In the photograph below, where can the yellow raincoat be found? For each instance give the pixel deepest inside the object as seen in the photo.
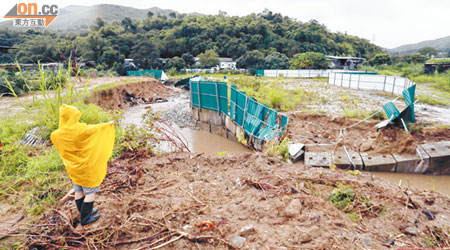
(84, 149)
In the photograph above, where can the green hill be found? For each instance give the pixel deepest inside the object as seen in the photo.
(441, 44)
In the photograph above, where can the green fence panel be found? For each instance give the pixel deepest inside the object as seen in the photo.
(223, 97)
(409, 95)
(194, 94)
(271, 127)
(148, 72)
(255, 116)
(259, 72)
(240, 107)
(233, 101)
(284, 122)
(391, 111)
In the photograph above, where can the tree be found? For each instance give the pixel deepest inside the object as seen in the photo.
(417, 58)
(98, 23)
(173, 15)
(428, 51)
(150, 14)
(175, 62)
(145, 54)
(380, 59)
(209, 59)
(188, 59)
(309, 60)
(276, 60)
(251, 60)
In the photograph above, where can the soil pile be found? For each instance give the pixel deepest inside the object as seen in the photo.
(322, 129)
(127, 95)
(186, 201)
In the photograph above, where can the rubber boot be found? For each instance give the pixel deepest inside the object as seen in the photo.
(86, 214)
(79, 203)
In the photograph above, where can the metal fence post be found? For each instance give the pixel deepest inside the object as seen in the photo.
(309, 73)
(359, 77)
(334, 82)
(350, 82)
(245, 112)
(342, 78)
(190, 94)
(199, 97)
(393, 85)
(384, 85)
(217, 98)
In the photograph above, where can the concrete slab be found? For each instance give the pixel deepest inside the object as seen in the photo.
(196, 114)
(380, 163)
(257, 144)
(218, 130)
(215, 118)
(341, 160)
(205, 126)
(230, 125)
(231, 136)
(204, 115)
(418, 163)
(439, 153)
(318, 159)
(296, 151)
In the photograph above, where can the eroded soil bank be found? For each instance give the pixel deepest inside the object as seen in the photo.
(156, 201)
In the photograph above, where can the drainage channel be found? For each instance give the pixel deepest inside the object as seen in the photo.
(177, 112)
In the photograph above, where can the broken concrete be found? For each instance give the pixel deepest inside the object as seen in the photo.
(296, 151)
(417, 163)
(383, 163)
(318, 159)
(341, 160)
(439, 153)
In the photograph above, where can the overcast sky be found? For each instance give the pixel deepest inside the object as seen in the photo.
(388, 23)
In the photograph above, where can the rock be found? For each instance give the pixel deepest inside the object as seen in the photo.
(366, 146)
(238, 181)
(390, 242)
(429, 214)
(293, 208)
(238, 241)
(247, 230)
(308, 234)
(411, 230)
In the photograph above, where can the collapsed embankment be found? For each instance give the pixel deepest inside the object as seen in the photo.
(253, 201)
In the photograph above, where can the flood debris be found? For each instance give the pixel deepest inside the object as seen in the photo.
(155, 201)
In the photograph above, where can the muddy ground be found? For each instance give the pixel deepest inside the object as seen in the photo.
(132, 94)
(316, 129)
(266, 203)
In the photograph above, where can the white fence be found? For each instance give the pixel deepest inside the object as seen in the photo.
(302, 72)
(389, 84)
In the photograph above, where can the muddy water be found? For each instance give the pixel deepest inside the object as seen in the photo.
(439, 183)
(204, 142)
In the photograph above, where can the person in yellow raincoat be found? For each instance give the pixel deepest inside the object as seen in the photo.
(85, 150)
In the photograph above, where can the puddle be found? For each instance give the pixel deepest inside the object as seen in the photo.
(438, 183)
(203, 142)
(177, 112)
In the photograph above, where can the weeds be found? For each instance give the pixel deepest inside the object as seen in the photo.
(281, 149)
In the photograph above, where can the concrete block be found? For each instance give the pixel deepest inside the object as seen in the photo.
(196, 114)
(239, 130)
(418, 163)
(439, 153)
(318, 159)
(231, 136)
(257, 144)
(204, 116)
(230, 125)
(380, 163)
(215, 118)
(218, 130)
(341, 160)
(296, 151)
(205, 126)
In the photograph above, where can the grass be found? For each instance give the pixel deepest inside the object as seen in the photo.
(114, 84)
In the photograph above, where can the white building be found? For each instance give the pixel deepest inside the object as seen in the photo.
(225, 63)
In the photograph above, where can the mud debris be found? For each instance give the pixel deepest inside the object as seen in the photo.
(150, 201)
